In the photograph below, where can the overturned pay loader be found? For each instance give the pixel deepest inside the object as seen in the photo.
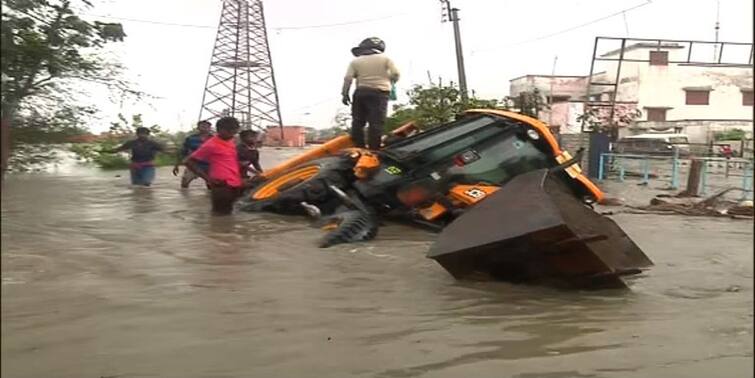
(508, 203)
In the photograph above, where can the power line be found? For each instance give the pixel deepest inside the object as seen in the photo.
(278, 28)
(336, 24)
(153, 22)
(623, 11)
(332, 98)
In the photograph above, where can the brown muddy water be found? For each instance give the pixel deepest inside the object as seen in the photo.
(103, 280)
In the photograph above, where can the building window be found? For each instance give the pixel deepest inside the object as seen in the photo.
(659, 58)
(656, 114)
(697, 97)
(747, 98)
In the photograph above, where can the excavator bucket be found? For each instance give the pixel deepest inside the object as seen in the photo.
(536, 229)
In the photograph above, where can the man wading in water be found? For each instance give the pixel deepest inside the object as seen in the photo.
(191, 144)
(374, 73)
(224, 174)
(249, 155)
(143, 152)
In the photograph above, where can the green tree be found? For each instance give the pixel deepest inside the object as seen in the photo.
(434, 105)
(401, 115)
(478, 103)
(46, 47)
(599, 119)
(310, 135)
(56, 128)
(732, 134)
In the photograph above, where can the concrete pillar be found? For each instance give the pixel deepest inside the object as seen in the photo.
(693, 180)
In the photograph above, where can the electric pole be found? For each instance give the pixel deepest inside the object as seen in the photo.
(718, 13)
(550, 98)
(240, 81)
(452, 14)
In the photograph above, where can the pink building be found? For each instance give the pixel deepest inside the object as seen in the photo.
(293, 136)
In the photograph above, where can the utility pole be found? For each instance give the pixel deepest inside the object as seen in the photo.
(550, 98)
(715, 47)
(452, 14)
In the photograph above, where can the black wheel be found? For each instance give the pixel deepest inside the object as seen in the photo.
(283, 193)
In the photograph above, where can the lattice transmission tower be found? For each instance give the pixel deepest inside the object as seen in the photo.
(240, 81)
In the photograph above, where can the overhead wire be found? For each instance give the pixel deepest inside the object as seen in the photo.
(331, 98)
(275, 28)
(153, 22)
(572, 28)
(335, 24)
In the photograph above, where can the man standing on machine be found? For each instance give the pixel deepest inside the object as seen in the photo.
(375, 74)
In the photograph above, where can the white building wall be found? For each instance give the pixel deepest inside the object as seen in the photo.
(663, 86)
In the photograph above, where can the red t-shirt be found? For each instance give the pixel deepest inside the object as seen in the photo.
(223, 160)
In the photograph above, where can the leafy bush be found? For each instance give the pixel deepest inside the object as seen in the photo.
(90, 153)
(732, 134)
(121, 131)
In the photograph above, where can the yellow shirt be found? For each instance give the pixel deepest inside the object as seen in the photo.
(375, 71)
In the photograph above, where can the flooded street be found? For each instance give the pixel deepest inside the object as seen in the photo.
(103, 280)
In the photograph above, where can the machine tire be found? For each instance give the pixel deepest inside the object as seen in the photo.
(307, 182)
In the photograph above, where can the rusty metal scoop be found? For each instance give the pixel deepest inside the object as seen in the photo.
(536, 229)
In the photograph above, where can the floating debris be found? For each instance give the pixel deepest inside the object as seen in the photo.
(713, 206)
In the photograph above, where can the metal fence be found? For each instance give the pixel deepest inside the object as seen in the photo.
(716, 174)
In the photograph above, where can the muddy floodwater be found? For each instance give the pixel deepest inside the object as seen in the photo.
(103, 280)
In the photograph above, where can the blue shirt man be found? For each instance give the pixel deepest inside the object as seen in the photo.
(191, 144)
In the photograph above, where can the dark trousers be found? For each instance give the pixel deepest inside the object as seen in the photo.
(368, 106)
(223, 198)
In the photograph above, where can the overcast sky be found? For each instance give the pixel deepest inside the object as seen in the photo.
(502, 39)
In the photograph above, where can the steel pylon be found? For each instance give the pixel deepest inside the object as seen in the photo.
(241, 81)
